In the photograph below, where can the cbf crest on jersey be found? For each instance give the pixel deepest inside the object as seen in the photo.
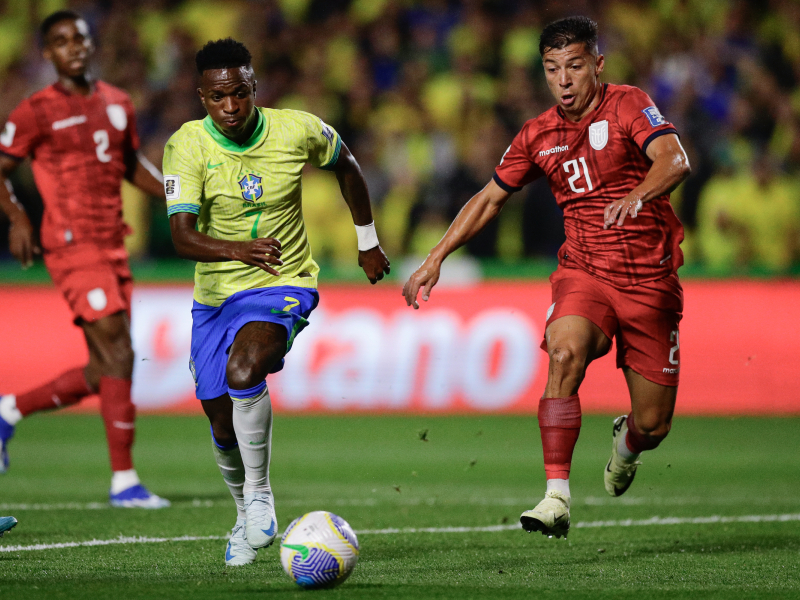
(598, 135)
(251, 186)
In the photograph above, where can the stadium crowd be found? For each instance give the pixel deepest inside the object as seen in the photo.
(428, 95)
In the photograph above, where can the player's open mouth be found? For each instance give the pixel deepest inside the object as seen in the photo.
(567, 100)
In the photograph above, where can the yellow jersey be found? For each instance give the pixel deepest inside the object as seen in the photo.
(243, 192)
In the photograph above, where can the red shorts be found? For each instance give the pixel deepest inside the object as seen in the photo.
(644, 318)
(96, 282)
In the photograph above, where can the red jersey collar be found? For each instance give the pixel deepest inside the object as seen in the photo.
(58, 86)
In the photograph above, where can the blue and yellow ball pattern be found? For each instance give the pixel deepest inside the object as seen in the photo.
(319, 550)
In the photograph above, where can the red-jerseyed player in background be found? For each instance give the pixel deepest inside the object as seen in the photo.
(81, 135)
(611, 160)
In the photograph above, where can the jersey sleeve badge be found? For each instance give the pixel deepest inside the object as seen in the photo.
(655, 118)
(7, 137)
(172, 187)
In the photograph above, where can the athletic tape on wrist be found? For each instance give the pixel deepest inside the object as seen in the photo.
(367, 237)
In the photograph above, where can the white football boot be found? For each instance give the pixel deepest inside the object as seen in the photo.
(239, 552)
(619, 474)
(262, 526)
(551, 515)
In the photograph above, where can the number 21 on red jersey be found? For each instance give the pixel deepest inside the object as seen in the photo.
(578, 175)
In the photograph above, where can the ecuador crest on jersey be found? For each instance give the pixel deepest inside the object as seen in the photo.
(251, 187)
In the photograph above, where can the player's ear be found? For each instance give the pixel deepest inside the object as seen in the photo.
(202, 97)
(254, 88)
(599, 62)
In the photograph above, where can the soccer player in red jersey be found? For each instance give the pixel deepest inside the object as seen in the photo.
(611, 161)
(81, 135)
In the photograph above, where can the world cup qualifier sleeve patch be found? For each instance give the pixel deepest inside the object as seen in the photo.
(655, 118)
(172, 187)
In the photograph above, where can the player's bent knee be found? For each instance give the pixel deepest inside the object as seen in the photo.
(565, 361)
(649, 435)
(244, 371)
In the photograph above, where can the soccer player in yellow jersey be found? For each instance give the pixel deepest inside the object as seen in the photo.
(234, 199)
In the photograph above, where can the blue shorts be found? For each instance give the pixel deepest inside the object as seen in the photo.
(215, 327)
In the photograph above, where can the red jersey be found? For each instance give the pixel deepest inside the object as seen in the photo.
(78, 146)
(590, 164)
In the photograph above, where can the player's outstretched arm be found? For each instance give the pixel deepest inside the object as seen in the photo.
(354, 190)
(193, 245)
(144, 175)
(21, 237)
(482, 208)
(670, 167)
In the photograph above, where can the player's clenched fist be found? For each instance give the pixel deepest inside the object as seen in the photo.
(261, 253)
(424, 277)
(374, 262)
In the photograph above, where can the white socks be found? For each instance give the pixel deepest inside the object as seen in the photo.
(252, 421)
(122, 480)
(9, 411)
(229, 461)
(624, 452)
(559, 485)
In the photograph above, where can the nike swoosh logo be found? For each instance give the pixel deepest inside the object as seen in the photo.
(275, 311)
(304, 552)
(259, 443)
(228, 554)
(271, 530)
(209, 166)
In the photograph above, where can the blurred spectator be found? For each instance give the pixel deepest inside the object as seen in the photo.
(429, 94)
(751, 217)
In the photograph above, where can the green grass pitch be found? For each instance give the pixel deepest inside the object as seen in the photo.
(378, 472)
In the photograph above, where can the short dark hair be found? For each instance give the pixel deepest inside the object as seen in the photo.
(57, 17)
(222, 54)
(571, 30)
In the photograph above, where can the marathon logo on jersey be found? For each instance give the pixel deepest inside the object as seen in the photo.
(655, 118)
(172, 187)
(552, 150)
(327, 132)
(251, 186)
(70, 122)
(598, 135)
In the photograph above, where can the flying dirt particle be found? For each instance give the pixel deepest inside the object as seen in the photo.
(601, 550)
(396, 488)
(423, 435)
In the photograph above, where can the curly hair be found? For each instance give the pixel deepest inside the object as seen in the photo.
(57, 17)
(571, 30)
(222, 54)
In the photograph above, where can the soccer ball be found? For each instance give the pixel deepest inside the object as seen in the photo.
(319, 550)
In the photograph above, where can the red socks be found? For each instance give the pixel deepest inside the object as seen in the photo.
(560, 424)
(118, 416)
(638, 442)
(66, 389)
